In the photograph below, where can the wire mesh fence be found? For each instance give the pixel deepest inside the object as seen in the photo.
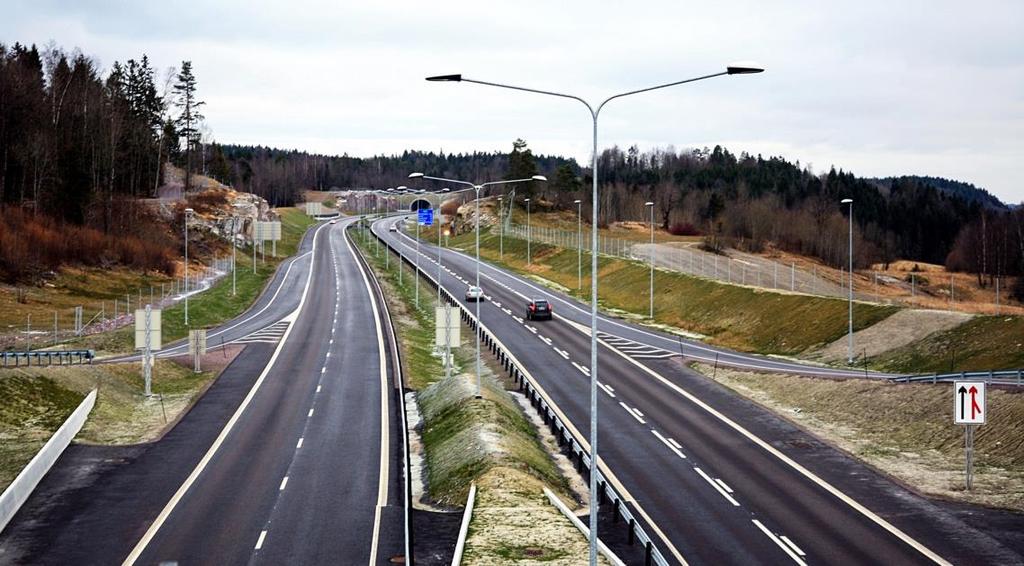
(740, 268)
(109, 314)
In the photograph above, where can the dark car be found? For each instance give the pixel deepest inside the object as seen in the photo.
(538, 309)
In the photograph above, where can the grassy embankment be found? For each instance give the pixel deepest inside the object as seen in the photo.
(35, 401)
(744, 318)
(488, 441)
(217, 304)
(916, 442)
(982, 342)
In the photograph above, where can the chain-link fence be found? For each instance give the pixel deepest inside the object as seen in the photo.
(110, 314)
(756, 271)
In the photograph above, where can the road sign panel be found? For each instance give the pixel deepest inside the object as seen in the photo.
(426, 216)
(154, 329)
(969, 402)
(447, 331)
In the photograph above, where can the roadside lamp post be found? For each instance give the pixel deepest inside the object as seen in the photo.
(849, 201)
(528, 262)
(401, 254)
(579, 245)
(650, 205)
(734, 69)
(501, 228)
(437, 219)
(188, 214)
(476, 188)
(387, 211)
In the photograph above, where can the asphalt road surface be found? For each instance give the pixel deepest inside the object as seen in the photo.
(294, 455)
(718, 479)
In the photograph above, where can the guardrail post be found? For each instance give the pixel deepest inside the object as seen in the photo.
(1018, 376)
(648, 553)
(632, 531)
(615, 511)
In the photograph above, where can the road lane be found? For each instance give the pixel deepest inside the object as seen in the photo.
(776, 500)
(327, 510)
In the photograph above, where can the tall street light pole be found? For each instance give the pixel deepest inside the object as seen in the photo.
(188, 214)
(528, 261)
(650, 205)
(734, 69)
(849, 360)
(477, 188)
(501, 229)
(579, 245)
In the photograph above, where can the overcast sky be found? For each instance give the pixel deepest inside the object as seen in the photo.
(877, 87)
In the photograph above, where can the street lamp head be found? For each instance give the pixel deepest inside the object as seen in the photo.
(189, 211)
(846, 201)
(415, 175)
(744, 68)
(577, 201)
(526, 200)
(445, 78)
(402, 188)
(445, 190)
(648, 203)
(539, 178)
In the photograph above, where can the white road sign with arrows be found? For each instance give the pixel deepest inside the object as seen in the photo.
(969, 402)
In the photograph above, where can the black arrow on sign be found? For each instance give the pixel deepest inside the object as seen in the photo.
(963, 402)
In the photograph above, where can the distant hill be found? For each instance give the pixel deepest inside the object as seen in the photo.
(965, 191)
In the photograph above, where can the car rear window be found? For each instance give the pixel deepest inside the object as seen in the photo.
(541, 303)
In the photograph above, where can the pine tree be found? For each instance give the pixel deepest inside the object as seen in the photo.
(188, 121)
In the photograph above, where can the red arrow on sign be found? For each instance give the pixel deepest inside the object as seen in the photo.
(975, 408)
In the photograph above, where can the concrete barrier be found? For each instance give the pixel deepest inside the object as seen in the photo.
(21, 488)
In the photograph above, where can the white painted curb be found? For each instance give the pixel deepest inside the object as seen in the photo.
(460, 546)
(583, 528)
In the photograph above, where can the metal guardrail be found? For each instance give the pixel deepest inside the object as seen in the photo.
(1002, 377)
(62, 357)
(546, 408)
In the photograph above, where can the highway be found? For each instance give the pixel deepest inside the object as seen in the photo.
(718, 479)
(295, 454)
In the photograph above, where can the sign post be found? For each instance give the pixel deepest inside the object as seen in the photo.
(446, 333)
(969, 409)
(147, 339)
(196, 346)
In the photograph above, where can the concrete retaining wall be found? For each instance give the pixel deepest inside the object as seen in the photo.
(19, 491)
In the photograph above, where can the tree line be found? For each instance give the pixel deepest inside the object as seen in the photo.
(75, 142)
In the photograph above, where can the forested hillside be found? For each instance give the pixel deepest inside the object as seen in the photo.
(79, 146)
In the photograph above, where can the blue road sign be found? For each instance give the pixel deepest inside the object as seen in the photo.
(426, 216)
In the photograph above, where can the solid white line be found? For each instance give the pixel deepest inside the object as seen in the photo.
(632, 414)
(778, 542)
(676, 444)
(792, 464)
(724, 485)
(194, 475)
(717, 487)
(259, 541)
(605, 470)
(284, 482)
(382, 485)
(792, 545)
(670, 447)
(299, 443)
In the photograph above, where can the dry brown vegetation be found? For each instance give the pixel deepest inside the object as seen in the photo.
(916, 442)
(32, 244)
